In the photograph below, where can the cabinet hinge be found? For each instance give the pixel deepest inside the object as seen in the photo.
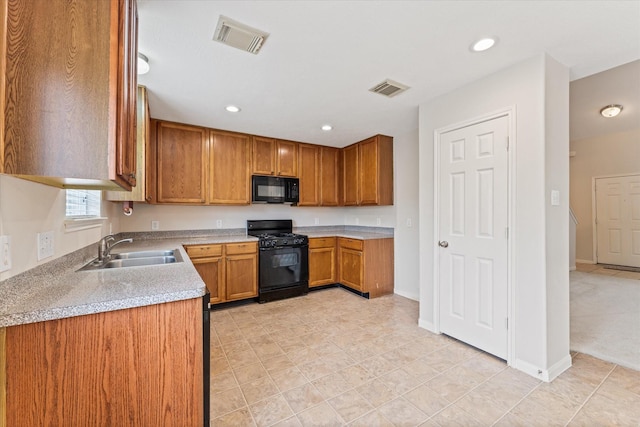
(507, 143)
(506, 232)
(506, 322)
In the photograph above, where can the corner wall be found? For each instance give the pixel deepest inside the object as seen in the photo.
(522, 87)
(28, 208)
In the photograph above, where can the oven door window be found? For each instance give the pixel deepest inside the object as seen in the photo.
(283, 267)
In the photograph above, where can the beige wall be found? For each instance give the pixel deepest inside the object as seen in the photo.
(612, 154)
(28, 208)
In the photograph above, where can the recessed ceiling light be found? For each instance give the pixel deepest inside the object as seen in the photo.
(143, 64)
(611, 110)
(232, 108)
(327, 128)
(483, 44)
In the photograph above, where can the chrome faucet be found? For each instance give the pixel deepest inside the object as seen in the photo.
(104, 248)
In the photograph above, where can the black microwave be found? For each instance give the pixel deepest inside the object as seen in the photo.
(273, 189)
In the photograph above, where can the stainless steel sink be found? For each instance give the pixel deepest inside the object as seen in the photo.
(135, 259)
(143, 254)
(135, 262)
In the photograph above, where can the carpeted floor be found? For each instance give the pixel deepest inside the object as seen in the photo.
(605, 317)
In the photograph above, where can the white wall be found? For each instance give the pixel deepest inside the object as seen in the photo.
(524, 88)
(612, 154)
(28, 208)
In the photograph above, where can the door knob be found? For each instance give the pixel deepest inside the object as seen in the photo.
(443, 243)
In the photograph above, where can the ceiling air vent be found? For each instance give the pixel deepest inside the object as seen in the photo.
(389, 88)
(238, 35)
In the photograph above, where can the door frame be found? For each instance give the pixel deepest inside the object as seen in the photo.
(594, 229)
(510, 113)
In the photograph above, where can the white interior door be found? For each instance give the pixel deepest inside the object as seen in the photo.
(473, 239)
(618, 220)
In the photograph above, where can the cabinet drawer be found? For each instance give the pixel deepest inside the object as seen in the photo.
(241, 248)
(322, 242)
(199, 251)
(351, 243)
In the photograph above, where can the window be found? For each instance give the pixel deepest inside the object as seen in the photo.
(83, 203)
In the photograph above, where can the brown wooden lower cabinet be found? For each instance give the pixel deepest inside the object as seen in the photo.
(230, 270)
(322, 261)
(366, 265)
(141, 366)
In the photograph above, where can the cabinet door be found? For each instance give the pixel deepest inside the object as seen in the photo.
(322, 266)
(264, 160)
(350, 175)
(182, 159)
(68, 91)
(241, 276)
(230, 168)
(287, 158)
(308, 160)
(126, 111)
(329, 170)
(211, 270)
(368, 162)
(139, 193)
(351, 268)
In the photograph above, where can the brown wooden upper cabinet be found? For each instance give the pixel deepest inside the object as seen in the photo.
(181, 157)
(309, 164)
(69, 75)
(368, 172)
(139, 192)
(329, 173)
(318, 169)
(230, 160)
(274, 157)
(196, 165)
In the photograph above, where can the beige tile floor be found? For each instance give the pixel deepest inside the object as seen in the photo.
(332, 358)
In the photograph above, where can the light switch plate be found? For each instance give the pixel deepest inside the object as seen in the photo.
(219, 223)
(45, 245)
(155, 225)
(555, 198)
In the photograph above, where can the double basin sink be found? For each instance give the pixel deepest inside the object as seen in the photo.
(135, 259)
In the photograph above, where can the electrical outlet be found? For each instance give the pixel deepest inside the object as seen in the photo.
(155, 225)
(45, 245)
(219, 223)
(5, 253)
(378, 221)
(409, 223)
(316, 221)
(357, 221)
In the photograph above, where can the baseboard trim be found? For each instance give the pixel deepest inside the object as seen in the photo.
(428, 326)
(585, 261)
(410, 295)
(546, 375)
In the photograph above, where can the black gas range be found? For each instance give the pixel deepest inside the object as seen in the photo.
(283, 260)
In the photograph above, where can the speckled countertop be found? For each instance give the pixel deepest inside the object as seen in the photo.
(57, 290)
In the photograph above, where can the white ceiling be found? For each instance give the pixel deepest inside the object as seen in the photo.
(322, 57)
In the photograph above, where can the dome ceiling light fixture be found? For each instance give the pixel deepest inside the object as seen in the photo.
(143, 64)
(611, 110)
(232, 109)
(483, 44)
(326, 128)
